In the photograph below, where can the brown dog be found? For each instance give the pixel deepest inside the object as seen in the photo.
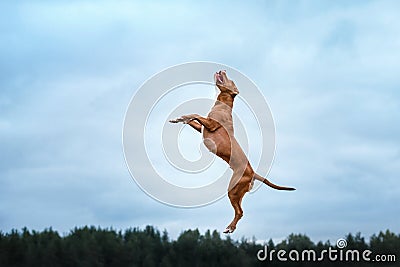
(218, 135)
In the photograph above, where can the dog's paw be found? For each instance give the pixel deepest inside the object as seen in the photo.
(228, 230)
(176, 120)
(184, 119)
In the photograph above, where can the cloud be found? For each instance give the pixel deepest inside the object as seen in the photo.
(328, 70)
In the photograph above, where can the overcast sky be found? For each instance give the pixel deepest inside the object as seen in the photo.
(328, 69)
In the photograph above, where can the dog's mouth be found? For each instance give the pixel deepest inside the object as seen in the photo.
(219, 78)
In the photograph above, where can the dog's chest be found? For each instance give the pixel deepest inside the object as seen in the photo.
(222, 116)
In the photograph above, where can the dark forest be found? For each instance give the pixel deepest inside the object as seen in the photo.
(94, 246)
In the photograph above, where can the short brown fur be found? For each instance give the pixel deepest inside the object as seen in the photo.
(218, 137)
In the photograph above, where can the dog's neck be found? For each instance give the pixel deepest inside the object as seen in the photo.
(225, 98)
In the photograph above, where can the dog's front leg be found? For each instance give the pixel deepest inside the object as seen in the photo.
(195, 125)
(208, 123)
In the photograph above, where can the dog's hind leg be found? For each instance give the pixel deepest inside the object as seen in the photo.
(236, 204)
(235, 195)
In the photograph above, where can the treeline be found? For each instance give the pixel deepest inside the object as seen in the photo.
(91, 246)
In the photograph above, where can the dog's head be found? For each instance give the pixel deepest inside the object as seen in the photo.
(225, 84)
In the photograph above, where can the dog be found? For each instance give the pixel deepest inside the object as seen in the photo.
(218, 137)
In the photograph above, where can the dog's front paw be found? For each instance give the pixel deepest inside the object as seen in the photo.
(181, 119)
(174, 121)
(184, 119)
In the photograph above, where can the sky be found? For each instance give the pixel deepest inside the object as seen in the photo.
(328, 69)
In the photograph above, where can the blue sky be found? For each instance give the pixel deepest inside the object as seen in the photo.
(329, 70)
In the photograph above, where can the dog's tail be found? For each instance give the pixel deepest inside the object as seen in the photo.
(265, 181)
